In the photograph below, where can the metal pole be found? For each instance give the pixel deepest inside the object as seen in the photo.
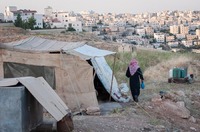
(112, 76)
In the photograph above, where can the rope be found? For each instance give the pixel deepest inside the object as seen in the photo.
(142, 108)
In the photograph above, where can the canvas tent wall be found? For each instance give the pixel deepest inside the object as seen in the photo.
(73, 76)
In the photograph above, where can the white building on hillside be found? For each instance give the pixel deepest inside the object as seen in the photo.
(8, 15)
(26, 14)
(48, 12)
(66, 20)
(141, 32)
(160, 37)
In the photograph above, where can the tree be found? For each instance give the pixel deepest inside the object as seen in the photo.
(100, 23)
(25, 24)
(31, 22)
(18, 22)
(71, 29)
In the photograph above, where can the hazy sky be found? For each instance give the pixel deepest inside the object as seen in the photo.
(102, 6)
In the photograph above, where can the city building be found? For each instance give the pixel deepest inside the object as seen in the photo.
(48, 12)
(191, 37)
(184, 29)
(160, 37)
(66, 20)
(170, 38)
(149, 31)
(8, 15)
(174, 29)
(141, 32)
(26, 14)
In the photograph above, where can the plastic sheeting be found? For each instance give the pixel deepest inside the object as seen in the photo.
(20, 70)
(104, 73)
(86, 52)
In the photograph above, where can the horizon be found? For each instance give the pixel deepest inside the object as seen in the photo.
(104, 6)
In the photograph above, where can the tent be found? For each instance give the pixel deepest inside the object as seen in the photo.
(63, 65)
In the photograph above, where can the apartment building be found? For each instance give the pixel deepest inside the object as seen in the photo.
(191, 37)
(8, 15)
(180, 36)
(184, 29)
(149, 31)
(26, 14)
(170, 38)
(141, 31)
(160, 37)
(66, 20)
(48, 12)
(174, 29)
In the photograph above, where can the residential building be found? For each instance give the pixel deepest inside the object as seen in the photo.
(187, 43)
(48, 12)
(198, 33)
(170, 38)
(184, 29)
(149, 31)
(180, 36)
(8, 15)
(26, 14)
(160, 37)
(191, 37)
(173, 44)
(77, 25)
(174, 29)
(141, 31)
(1, 17)
(65, 20)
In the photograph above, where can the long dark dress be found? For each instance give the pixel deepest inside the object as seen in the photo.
(135, 82)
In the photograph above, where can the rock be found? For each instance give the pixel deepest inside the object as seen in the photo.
(180, 93)
(193, 129)
(160, 128)
(93, 111)
(192, 119)
(178, 108)
(156, 99)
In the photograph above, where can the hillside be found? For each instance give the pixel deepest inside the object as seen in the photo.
(177, 111)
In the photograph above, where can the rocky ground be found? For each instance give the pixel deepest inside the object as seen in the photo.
(176, 111)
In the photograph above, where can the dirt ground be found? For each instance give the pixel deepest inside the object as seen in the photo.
(145, 116)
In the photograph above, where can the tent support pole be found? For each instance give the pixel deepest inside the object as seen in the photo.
(112, 76)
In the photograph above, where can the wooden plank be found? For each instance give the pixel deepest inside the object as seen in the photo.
(45, 96)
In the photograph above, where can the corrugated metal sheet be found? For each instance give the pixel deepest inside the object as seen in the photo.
(42, 91)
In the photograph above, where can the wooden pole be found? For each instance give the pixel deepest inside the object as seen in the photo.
(112, 76)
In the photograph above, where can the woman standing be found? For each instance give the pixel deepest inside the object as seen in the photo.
(134, 74)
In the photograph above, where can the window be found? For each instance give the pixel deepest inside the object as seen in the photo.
(65, 15)
(66, 20)
(25, 14)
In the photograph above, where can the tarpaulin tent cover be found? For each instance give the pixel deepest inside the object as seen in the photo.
(101, 67)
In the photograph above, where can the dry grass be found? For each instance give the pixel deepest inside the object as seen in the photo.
(161, 71)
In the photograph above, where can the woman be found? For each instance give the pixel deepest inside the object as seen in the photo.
(135, 74)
